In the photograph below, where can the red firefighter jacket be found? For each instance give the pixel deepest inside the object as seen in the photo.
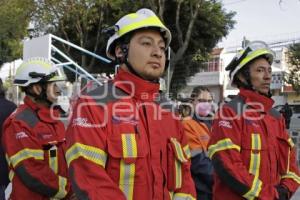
(34, 142)
(251, 150)
(125, 144)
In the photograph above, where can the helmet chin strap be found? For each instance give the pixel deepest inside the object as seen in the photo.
(42, 97)
(249, 86)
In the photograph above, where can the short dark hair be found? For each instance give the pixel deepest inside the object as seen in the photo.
(197, 90)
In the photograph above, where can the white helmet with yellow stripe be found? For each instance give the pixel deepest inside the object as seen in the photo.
(143, 18)
(36, 70)
(253, 50)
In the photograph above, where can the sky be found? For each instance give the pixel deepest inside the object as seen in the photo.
(263, 20)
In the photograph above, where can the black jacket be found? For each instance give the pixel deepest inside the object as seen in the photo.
(6, 108)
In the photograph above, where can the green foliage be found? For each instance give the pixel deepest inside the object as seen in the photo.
(196, 26)
(211, 24)
(293, 77)
(14, 19)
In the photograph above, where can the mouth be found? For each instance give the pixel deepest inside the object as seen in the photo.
(154, 64)
(266, 85)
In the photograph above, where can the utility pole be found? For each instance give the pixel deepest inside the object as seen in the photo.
(245, 42)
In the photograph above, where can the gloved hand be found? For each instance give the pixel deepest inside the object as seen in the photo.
(283, 192)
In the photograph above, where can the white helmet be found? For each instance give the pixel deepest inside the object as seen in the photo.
(143, 18)
(38, 69)
(253, 50)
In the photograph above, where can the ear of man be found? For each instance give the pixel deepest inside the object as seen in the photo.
(36, 89)
(241, 77)
(119, 53)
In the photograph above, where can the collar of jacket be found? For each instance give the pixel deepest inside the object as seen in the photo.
(255, 100)
(136, 87)
(44, 113)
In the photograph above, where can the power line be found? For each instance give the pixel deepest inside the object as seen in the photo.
(233, 2)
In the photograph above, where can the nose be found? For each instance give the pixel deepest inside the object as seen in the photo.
(268, 75)
(156, 51)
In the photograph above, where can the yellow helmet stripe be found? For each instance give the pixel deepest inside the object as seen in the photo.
(150, 21)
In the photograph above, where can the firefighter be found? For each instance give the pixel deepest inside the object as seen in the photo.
(6, 107)
(34, 138)
(123, 141)
(252, 154)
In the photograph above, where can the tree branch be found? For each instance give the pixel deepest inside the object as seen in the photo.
(62, 27)
(161, 9)
(98, 36)
(179, 31)
(153, 6)
(188, 34)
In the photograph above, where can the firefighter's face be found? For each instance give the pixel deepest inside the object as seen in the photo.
(260, 75)
(55, 89)
(147, 54)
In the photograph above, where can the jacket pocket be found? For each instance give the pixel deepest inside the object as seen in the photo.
(175, 161)
(127, 161)
(128, 147)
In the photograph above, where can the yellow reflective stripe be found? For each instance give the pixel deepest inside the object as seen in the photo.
(129, 146)
(255, 167)
(11, 175)
(288, 164)
(291, 142)
(26, 154)
(93, 154)
(127, 171)
(255, 189)
(62, 192)
(187, 151)
(255, 156)
(40, 63)
(178, 174)
(293, 176)
(255, 141)
(53, 160)
(178, 149)
(253, 55)
(7, 159)
(255, 164)
(150, 21)
(183, 196)
(171, 193)
(222, 145)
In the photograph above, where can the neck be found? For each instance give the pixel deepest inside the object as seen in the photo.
(39, 102)
(128, 67)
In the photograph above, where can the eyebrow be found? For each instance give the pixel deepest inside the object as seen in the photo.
(150, 38)
(264, 67)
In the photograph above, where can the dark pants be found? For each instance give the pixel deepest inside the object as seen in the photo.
(2, 192)
(202, 174)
